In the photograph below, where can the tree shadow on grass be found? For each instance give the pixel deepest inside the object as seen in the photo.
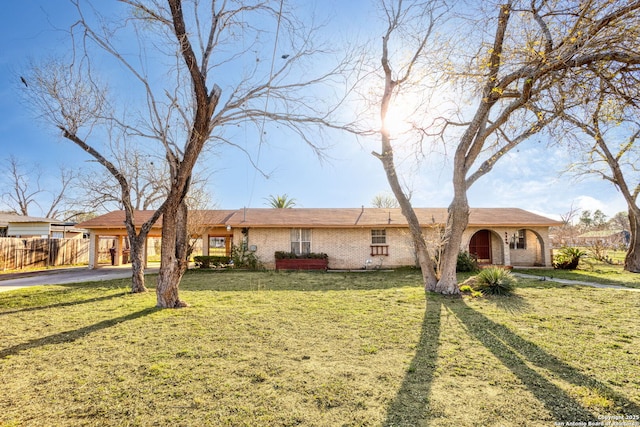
(512, 304)
(70, 336)
(517, 354)
(411, 404)
(60, 304)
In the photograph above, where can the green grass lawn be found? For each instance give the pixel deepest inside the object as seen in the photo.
(591, 270)
(316, 349)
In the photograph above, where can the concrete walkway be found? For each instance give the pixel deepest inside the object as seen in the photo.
(574, 282)
(9, 282)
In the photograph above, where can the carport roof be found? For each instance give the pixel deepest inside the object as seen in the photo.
(115, 219)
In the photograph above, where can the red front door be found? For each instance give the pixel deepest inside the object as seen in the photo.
(480, 246)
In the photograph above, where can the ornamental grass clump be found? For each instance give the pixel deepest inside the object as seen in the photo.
(495, 281)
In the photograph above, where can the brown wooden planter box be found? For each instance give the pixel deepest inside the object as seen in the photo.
(302, 264)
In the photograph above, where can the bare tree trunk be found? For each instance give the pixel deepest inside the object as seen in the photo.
(174, 256)
(137, 264)
(424, 259)
(632, 259)
(457, 221)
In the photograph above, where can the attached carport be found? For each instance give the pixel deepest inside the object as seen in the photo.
(111, 227)
(208, 225)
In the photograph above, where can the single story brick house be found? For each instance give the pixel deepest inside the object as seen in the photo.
(353, 238)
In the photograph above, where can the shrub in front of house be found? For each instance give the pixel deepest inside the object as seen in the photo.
(466, 262)
(244, 258)
(494, 281)
(568, 258)
(207, 261)
(293, 255)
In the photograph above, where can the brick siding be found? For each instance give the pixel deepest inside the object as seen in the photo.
(351, 248)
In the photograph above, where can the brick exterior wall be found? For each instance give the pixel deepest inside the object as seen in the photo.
(346, 248)
(351, 248)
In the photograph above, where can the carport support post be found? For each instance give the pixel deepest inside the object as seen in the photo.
(118, 260)
(205, 244)
(93, 250)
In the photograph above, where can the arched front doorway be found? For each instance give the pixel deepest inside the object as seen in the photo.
(480, 246)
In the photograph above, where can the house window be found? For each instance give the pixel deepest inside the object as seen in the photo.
(378, 237)
(519, 240)
(217, 246)
(379, 243)
(300, 241)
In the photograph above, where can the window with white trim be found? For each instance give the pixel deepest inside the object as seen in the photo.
(301, 241)
(379, 242)
(378, 237)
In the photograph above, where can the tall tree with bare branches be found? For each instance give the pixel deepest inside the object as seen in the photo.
(25, 189)
(509, 70)
(605, 128)
(202, 69)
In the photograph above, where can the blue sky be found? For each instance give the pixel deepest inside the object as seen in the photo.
(527, 178)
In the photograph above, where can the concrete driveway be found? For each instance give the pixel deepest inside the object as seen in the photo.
(60, 276)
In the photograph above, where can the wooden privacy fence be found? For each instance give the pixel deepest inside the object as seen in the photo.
(17, 254)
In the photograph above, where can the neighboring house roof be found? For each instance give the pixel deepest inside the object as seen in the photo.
(334, 218)
(5, 219)
(601, 234)
(67, 227)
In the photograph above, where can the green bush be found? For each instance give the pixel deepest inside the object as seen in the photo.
(206, 261)
(568, 258)
(466, 262)
(243, 258)
(293, 255)
(495, 281)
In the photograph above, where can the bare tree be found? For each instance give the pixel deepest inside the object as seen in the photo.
(198, 202)
(513, 75)
(71, 98)
(384, 200)
(565, 234)
(148, 178)
(25, 189)
(605, 128)
(620, 221)
(221, 68)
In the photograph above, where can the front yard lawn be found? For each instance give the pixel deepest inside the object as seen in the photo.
(591, 270)
(317, 349)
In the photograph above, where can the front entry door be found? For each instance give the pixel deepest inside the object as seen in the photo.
(480, 246)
